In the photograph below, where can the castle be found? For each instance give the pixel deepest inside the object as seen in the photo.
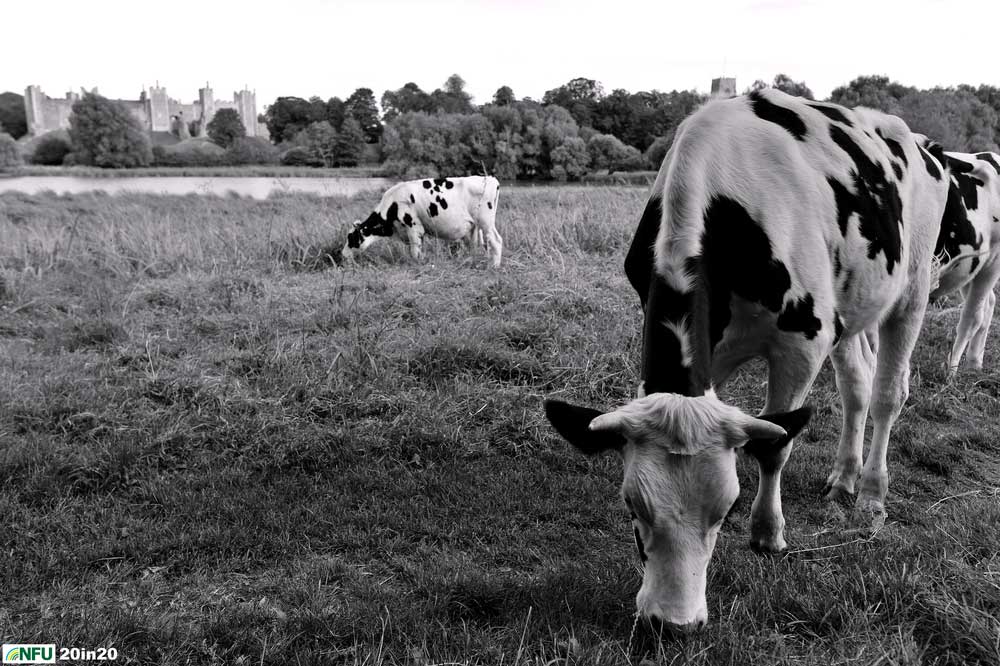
(155, 110)
(723, 87)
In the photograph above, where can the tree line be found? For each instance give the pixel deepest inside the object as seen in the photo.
(574, 129)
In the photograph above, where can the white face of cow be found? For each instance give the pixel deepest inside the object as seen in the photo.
(679, 484)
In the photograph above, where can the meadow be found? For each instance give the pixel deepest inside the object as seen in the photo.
(219, 447)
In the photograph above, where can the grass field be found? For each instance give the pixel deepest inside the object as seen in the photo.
(216, 448)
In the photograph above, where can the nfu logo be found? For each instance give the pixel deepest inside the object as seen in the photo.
(15, 653)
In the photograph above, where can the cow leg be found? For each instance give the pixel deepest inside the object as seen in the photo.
(415, 239)
(978, 310)
(977, 349)
(897, 338)
(486, 224)
(854, 364)
(791, 372)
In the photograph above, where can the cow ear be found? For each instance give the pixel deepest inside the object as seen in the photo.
(575, 425)
(791, 423)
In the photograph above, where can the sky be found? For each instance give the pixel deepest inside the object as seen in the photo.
(331, 47)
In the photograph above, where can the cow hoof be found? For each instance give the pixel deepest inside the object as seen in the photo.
(838, 495)
(768, 546)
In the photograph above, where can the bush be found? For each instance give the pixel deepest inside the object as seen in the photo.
(225, 127)
(300, 156)
(252, 150)
(190, 153)
(51, 150)
(657, 151)
(570, 160)
(10, 154)
(104, 133)
(607, 152)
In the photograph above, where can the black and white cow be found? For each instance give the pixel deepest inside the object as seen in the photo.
(781, 228)
(448, 208)
(968, 249)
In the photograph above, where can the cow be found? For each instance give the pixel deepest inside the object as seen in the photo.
(778, 228)
(449, 208)
(968, 249)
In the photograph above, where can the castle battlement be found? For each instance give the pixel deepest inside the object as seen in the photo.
(155, 109)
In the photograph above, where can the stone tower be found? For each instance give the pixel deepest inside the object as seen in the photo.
(724, 87)
(158, 109)
(246, 106)
(207, 100)
(34, 110)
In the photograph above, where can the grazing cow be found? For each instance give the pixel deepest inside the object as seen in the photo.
(782, 228)
(968, 249)
(448, 208)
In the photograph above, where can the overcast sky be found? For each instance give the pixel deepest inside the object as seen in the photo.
(331, 47)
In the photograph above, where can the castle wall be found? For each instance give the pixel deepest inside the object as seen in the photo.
(154, 110)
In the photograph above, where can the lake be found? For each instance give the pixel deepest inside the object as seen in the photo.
(255, 186)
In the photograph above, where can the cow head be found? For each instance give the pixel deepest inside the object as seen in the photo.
(679, 484)
(363, 233)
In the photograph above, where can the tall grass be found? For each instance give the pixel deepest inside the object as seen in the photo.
(209, 454)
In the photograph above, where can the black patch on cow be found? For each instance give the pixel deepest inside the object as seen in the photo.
(799, 316)
(442, 202)
(432, 210)
(967, 184)
(779, 115)
(875, 200)
(956, 229)
(638, 543)
(988, 158)
(392, 214)
(838, 328)
(894, 147)
(896, 169)
(489, 204)
(738, 260)
(845, 203)
(413, 199)
(929, 164)
(427, 184)
(837, 266)
(374, 225)
(407, 219)
(834, 113)
(639, 261)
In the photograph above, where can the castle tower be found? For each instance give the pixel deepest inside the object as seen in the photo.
(34, 110)
(158, 109)
(207, 99)
(246, 106)
(724, 87)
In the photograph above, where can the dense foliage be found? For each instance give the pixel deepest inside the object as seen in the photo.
(51, 150)
(10, 154)
(105, 134)
(225, 127)
(12, 117)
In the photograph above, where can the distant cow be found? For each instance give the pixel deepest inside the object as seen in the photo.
(968, 249)
(782, 228)
(448, 208)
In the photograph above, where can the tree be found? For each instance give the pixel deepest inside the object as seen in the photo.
(288, 116)
(453, 98)
(579, 96)
(321, 141)
(349, 144)
(570, 159)
(504, 96)
(104, 133)
(876, 92)
(225, 127)
(12, 117)
(784, 83)
(336, 111)
(51, 150)
(361, 105)
(408, 98)
(607, 152)
(10, 154)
